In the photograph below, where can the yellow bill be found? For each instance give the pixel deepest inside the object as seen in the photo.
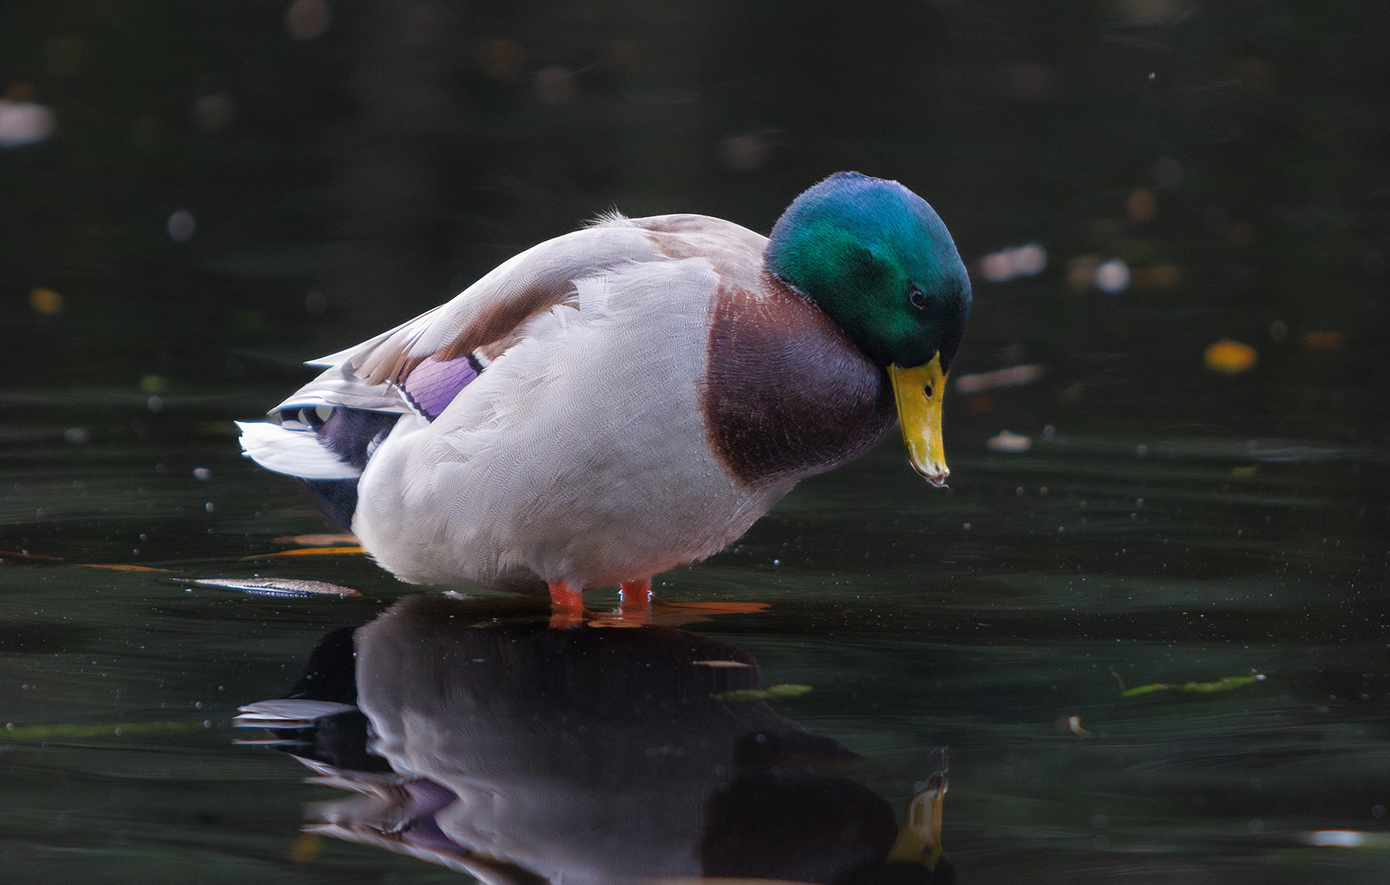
(919, 392)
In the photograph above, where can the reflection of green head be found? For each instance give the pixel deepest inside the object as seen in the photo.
(880, 262)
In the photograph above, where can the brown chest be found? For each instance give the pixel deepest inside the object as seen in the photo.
(787, 394)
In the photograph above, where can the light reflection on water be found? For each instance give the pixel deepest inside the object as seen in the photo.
(1007, 641)
(592, 754)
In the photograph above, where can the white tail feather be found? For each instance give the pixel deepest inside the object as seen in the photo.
(292, 452)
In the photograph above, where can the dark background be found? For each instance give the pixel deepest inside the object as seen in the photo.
(346, 182)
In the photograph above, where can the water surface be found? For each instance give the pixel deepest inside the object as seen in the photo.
(225, 193)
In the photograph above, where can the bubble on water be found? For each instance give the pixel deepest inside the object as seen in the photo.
(1167, 173)
(24, 122)
(747, 152)
(308, 19)
(1112, 276)
(1027, 260)
(214, 112)
(554, 85)
(315, 303)
(181, 226)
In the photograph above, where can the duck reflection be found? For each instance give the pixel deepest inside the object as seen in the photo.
(476, 737)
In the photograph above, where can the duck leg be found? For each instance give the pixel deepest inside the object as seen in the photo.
(567, 603)
(635, 597)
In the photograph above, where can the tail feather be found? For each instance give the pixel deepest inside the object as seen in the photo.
(293, 452)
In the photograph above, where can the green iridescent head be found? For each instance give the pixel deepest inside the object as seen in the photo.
(880, 262)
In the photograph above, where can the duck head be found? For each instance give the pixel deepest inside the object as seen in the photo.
(880, 262)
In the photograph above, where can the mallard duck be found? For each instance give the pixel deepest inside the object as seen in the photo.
(632, 396)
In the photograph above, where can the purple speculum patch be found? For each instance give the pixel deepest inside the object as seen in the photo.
(434, 383)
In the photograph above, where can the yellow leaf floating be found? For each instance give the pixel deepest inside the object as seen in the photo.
(1324, 341)
(1230, 357)
(14, 556)
(310, 551)
(46, 301)
(1226, 684)
(307, 847)
(762, 694)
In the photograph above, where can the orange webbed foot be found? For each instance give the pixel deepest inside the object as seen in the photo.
(637, 607)
(635, 597)
(567, 605)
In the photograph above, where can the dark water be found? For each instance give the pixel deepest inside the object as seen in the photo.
(1168, 524)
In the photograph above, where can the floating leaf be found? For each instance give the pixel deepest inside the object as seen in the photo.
(78, 732)
(1230, 357)
(310, 551)
(46, 301)
(1014, 376)
(762, 694)
(15, 556)
(1225, 684)
(1323, 341)
(123, 568)
(307, 847)
(271, 586)
(1008, 441)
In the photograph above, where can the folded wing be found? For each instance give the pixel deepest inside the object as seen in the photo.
(327, 430)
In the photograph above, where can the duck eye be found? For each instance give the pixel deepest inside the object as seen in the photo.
(928, 390)
(918, 299)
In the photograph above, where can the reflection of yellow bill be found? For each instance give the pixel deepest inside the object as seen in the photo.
(919, 838)
(919, 392)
